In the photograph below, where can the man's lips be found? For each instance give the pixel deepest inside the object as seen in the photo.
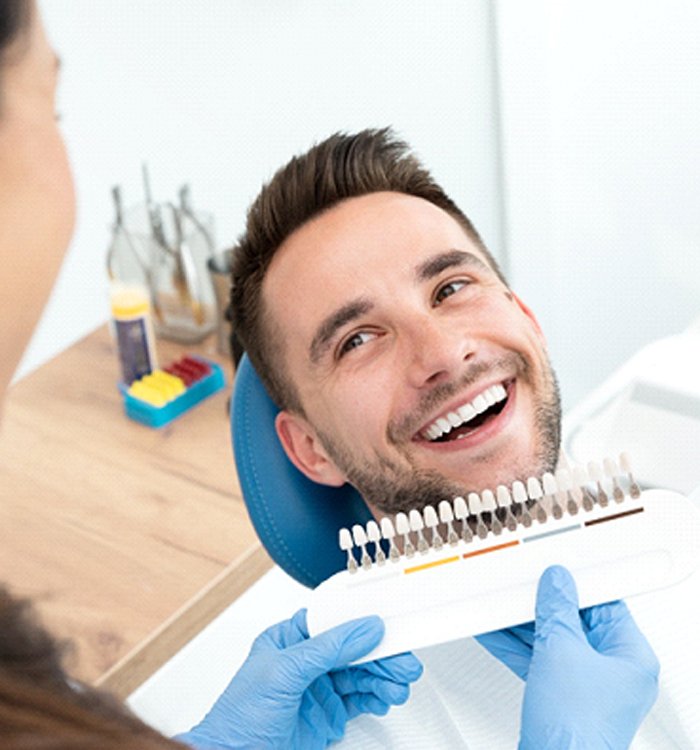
(486, 410)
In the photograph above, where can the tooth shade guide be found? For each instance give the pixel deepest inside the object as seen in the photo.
(554, 501)
(613, 553)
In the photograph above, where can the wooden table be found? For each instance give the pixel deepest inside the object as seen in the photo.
(128, 539)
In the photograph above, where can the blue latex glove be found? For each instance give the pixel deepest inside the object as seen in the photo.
(592, 677)
(298, 692)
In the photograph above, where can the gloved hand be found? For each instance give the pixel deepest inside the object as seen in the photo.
(286, 696)
(592, 677)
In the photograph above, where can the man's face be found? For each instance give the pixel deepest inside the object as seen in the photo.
(395, 332)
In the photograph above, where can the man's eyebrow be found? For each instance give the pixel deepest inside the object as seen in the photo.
(438, 263)
(330, 325)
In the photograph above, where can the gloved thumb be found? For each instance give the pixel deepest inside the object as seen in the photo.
(557, 610)
(336, 647)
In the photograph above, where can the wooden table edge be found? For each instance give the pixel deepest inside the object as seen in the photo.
(139, 664)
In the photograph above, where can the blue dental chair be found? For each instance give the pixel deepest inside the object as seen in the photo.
(296, 519)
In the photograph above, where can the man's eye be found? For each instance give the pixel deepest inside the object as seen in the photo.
(447, 290)
(352, 342)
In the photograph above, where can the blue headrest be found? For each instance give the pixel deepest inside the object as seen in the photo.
(296, 519)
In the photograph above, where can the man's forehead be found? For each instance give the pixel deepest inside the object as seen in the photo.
(340, 254)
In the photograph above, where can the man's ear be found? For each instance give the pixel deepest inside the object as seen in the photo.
(528, 312)
(305, 451)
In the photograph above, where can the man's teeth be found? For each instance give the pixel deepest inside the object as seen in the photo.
(465, 413)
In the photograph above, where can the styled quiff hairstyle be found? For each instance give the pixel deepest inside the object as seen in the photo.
(341, 167)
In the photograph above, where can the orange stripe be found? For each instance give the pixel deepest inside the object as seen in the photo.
(431, 564)
(491, 549)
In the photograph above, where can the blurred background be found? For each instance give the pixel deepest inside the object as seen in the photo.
(567, 130)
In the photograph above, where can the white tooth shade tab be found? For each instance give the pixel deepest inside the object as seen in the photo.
(445, 511)
(625, 463)
(373, 533)
(474, 503)
(610, 468)
(388, 531)
(345, 539)
(430, 516)
(402, 525)
(594, 471)
(359, 535)
(461, 510)
(549, 483)
(503, 497)
(519, 492)
(534, 489)
(580, 476)
(488, 500)
(415, 519)
(564, 480)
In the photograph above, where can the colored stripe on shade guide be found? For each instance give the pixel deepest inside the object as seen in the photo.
(416, 568)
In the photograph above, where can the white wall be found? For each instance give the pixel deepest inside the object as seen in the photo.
(220, 93)
(601, 134)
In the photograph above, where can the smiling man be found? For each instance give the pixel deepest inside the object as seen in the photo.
(387, 334)
(403, 364)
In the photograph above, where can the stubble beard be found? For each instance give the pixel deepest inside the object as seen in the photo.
(390, 486)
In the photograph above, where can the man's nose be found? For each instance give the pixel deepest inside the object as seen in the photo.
(435, 351)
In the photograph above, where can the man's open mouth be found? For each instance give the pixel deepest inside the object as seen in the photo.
(470, 416)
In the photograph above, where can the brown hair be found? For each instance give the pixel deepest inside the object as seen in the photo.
(14, 18)
(41, 710)
(341, 167)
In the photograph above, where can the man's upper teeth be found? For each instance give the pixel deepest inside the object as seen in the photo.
(465, 413)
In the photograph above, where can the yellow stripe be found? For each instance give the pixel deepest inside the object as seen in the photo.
(431, 564)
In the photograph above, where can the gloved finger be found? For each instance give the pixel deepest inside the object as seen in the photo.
(364, 703)
(512, 647)
(348, 681)
(612, 631)
(283, 634)
(556, 609)
(334, 648)
(400, 668)
(322, 706)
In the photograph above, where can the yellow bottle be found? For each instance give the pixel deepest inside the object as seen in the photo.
(131, 315)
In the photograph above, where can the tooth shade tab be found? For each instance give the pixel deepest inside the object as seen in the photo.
(474, 503)
(359, 535)
(594, 471)
(549, 483)
(488, 501)
(430, 516)
(610, 468)
(580, 476)
(503, 497)
(346, 544)
(415, 519)
(388, 531)
(461, 510)
(519, 492)
(345, 540)
(373, 533)
(445, 511)
(565, 480)
(402, 526)
(625, 463)
(534, 489)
